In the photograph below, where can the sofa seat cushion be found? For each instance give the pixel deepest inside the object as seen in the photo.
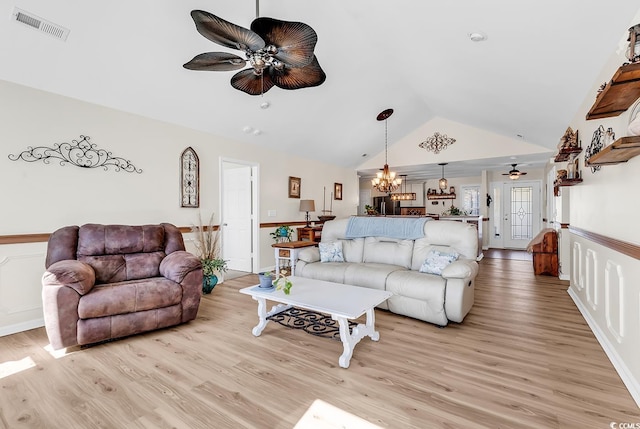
(370, 275)
(327, 271)
(129, 297)
(417, 285)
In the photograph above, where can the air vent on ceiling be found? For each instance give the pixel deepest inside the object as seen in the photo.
(35, 22)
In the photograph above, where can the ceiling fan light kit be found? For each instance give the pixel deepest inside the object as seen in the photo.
(279, 53)
(514, 174)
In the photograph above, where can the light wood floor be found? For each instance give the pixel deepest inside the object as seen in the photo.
(523, 358)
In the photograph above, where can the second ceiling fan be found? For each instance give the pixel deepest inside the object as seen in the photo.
(514, 173)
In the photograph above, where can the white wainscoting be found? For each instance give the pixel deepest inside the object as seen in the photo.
(605, 286)
(21, 269)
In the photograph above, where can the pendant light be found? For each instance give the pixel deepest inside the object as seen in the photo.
(386, 180)
(404, 195)
(442, 183)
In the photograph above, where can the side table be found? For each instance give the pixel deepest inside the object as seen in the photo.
(289, 250)
(311, 233)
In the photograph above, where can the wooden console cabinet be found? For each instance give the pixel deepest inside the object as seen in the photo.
(544, 247)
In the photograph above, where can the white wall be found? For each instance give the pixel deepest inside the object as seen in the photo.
(471, 143)
(39, 198)
(604, 283)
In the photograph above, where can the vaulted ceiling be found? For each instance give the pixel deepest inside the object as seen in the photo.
(536, 66)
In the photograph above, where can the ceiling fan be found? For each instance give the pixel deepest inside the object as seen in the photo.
(278, 52)
(514, 174)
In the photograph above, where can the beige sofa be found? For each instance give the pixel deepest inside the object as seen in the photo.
(394, 264)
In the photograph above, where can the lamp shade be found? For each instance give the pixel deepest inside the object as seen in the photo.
(307, 206)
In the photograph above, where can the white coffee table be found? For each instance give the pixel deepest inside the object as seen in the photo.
(341, 302)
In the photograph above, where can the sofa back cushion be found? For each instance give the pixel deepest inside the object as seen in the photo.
(121, 252)
(352, 248)
(461, 236)
(384, 250)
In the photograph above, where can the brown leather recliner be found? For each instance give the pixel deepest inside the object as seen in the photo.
(111, 281)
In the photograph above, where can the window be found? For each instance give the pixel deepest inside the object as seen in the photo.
(471, 199)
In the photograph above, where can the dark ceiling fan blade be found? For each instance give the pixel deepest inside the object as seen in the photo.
(295, 40)
(247, 81)
(226, 33)
(215, 61)
(296, 78)
(521, 173)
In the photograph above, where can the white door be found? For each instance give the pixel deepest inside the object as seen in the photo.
(238, 229)
(520, 213)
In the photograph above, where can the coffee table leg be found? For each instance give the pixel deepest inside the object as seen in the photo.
(263, 315)
(349, 341)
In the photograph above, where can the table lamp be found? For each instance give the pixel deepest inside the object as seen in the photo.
(307, 206)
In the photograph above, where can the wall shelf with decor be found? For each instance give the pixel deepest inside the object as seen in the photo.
(564, 182)
(618, 94)
(567, 182)
(567, 154)
(621, 150)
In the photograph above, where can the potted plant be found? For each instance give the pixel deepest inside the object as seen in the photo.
(207, 243)
(282, 282)
(266, 279)
(282, 233)
(370, 210)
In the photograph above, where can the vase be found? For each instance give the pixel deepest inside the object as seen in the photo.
(208, 283)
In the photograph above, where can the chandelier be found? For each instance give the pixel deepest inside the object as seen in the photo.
(386, 180)
(437, 142)
(404, 195)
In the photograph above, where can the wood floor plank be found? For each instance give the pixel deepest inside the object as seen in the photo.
(524, 357)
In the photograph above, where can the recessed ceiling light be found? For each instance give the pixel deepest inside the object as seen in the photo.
(257, 132)
(477, 36)
(265, 105)
(247, 129)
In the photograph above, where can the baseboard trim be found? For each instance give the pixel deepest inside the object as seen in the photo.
(632, 385)
(564, 277)
(20, 327)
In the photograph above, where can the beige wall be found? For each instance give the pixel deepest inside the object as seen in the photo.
(604, 283)
(39, 198)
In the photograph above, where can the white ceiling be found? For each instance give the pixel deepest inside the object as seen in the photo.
(529, 77)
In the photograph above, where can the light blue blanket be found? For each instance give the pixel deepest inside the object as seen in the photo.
(400, 228)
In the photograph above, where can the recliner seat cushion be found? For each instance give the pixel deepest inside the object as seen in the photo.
(370, 275)
(129, 297)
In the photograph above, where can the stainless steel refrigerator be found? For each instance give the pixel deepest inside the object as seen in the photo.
(386, 206)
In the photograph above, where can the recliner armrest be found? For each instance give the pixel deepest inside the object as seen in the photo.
(460, 269)
(175, 266)
(71, 273)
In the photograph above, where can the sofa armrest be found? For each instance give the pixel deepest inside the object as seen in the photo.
(71, 273)
(460, 269)
(185, 269)
(309, 254)
(177, 265)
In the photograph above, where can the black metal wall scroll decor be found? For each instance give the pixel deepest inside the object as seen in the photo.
(80, 153)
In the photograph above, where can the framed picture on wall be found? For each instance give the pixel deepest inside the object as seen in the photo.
(337, 191)
(294, 187)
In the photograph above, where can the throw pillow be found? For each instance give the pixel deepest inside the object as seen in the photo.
(436, 261)
(331, 251)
